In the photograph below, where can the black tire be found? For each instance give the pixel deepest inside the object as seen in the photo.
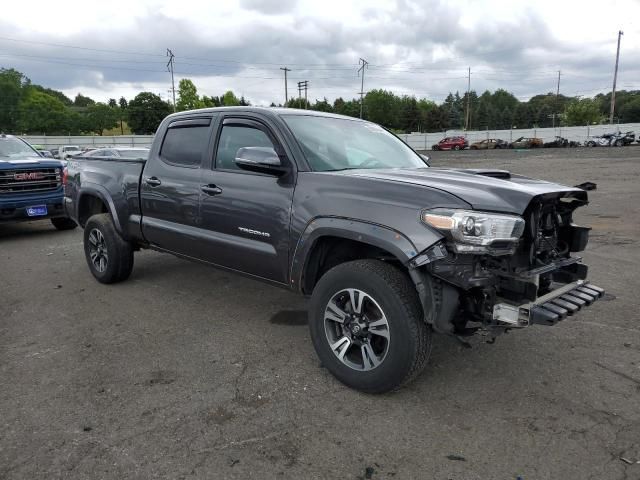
(408, 344)
(456, 147)
(119, 253)
(472, 147)
(63, 223)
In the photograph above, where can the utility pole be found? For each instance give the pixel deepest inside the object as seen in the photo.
(467, 117)
(170, 68)
(553, 120)
(615, 77)
(363, 64)
(303, 86)
(286, 95)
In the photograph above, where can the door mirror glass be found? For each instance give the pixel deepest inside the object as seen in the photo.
(426, 158)
(259, 159)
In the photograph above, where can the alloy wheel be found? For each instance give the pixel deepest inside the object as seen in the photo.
(98, 250)
(357, 329)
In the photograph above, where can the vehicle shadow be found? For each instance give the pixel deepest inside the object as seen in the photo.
(22, 229)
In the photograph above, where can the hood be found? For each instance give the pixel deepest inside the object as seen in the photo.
(483, 189)
(28, 162)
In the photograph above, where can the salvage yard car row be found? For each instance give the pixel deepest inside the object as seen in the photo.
(618, 139)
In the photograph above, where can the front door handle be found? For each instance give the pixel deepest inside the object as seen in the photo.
(153, 181)
(211, 189)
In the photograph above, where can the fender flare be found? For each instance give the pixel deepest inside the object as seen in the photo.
(351, 229)
(99, 191)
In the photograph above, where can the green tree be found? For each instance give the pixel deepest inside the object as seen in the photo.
(424, 107)
(112, 103)
(145, 112)
(230, 100)
(188, 98)
(41, 113)
(209, 102)
(82, 101)
(101, 117)
(583, 112)
(123, 112)
(322, 106)
(630, 111)
(382, 107)
(12, 90)
(409, 115)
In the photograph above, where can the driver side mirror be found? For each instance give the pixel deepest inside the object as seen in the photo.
(259, 159)
(426, 158)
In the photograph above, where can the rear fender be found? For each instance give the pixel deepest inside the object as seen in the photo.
(100, 192)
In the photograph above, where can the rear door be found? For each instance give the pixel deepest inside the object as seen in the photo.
(170, 186)
(247, 214)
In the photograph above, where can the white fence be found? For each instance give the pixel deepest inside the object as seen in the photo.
(90, 140)
(424, 141)
(419, 141)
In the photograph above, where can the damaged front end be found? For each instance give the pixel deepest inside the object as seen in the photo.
(494, 272)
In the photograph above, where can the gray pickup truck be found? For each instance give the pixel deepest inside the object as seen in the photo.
(341, 210)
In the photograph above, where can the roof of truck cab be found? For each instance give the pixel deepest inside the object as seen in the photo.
(270, 111)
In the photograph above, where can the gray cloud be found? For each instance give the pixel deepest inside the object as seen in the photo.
(269, 7)
(401, 45)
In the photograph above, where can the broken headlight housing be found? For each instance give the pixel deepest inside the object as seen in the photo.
(477, 232)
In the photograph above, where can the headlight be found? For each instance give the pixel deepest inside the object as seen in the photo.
(477, 232)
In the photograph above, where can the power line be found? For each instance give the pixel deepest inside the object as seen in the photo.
(170, 68)
(303, 85)
(553, 122)
(468, 114)
(364, 64)
(286, 95)
(615, 77)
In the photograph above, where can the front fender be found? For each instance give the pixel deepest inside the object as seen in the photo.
(377, 235)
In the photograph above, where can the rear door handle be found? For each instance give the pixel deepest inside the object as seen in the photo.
(211, 189)
(153, 181)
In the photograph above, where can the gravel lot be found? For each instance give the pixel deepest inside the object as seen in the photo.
(189, 372)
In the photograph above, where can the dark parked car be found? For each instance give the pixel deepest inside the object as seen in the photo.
(451, 143)
(339, 209)
(30, 185)
(526, 142)
(628, 138)
(560, 142)
(489, 144)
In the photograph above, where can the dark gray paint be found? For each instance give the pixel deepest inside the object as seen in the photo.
(381, 207)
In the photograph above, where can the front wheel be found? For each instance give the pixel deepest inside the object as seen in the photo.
(63, 223)
(367, 326)
(109, 256)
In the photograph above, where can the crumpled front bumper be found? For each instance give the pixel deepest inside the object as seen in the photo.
(550, 308)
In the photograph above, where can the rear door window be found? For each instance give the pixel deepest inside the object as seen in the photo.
(185, 145)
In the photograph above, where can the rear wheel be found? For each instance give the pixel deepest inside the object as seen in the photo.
(367, 326)
(456, 147)
(109, 256)
(63, 223)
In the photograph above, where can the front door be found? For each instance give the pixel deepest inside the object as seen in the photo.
(247, 214)
(171, 186)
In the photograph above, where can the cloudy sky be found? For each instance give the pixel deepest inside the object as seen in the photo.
(423, 48)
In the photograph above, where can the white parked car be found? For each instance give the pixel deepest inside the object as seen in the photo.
(67, 151)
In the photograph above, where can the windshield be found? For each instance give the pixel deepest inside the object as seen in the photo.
(13, 148)
(341, 144)
(71, 149)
